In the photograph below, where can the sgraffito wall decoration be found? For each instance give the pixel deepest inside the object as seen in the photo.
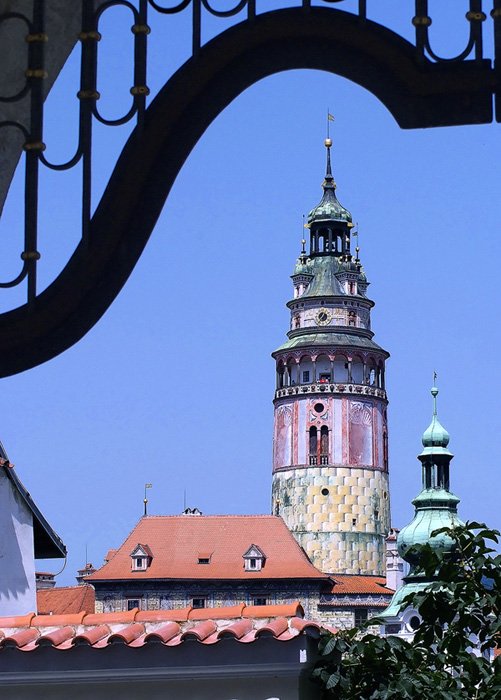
(283, 436)
(360, 433)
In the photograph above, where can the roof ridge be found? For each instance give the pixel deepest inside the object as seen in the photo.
(217, 515)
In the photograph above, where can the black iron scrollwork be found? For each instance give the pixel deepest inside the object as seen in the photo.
(88, 95)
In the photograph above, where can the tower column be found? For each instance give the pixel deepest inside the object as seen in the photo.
(330, 471)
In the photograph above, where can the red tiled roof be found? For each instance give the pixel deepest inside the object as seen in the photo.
(175, 542)
(61, 601)
(111, 553)
(169, 627)
(346, 584)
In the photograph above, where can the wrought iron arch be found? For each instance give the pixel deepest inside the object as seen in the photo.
(318, 38)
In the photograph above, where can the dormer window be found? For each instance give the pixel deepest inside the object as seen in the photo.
(141, 557)
(254, 558)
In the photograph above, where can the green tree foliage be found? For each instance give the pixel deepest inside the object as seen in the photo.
(452, 654)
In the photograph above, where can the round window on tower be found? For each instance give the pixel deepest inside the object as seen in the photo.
(325, 492)
(414, 622)
(319, 407)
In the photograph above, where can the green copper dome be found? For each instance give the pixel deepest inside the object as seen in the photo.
(303, 266)
(435, 509)
(329, 208)
(435, 435)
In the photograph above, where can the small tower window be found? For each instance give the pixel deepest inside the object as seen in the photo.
(324, 445)
(313, 445)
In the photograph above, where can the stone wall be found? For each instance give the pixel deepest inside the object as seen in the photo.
(340, 516)
(169, 596)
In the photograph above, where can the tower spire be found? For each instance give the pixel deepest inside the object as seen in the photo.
(328, 170)
(435, 508)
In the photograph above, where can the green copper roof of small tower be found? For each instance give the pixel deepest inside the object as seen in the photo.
(436, 505)
(435, 438)
(329, 208)
(435, 508)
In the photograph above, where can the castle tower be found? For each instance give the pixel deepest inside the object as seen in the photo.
(330, 447)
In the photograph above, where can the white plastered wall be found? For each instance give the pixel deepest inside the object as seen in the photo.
(17, 563)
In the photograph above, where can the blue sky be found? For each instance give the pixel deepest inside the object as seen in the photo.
(174, 385)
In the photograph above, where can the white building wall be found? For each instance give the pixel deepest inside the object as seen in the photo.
(17, 563)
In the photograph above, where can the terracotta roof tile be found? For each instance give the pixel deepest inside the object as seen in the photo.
(177, 540)
(274, 628)
(179, 615)
(128, 634)
(236, 630)
(55, 620)
(165, 633)
(57, 637)
(92, 635)
(201, 631)
(111, 618)
(70, 599)
(20, 638)
(288, 610)
(348, 584)
(208, 613)
(31, 632)
(18, 621)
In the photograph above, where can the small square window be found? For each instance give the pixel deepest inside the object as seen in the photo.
(133, 603)
(198, 603)
(259, 601)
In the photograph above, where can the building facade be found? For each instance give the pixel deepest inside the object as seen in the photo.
(330, 446)
(210, 561)
(324, 544)
(25, 535)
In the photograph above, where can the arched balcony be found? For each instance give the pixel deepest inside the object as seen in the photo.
(331, 373)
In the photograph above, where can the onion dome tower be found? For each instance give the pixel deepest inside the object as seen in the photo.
(436, 508)
(330, 448)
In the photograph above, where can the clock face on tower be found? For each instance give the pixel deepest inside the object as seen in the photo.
(323, 317)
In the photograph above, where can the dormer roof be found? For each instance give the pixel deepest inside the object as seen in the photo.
(141, 550)
(254, 552)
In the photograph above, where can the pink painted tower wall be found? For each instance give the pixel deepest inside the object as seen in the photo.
(330, 447)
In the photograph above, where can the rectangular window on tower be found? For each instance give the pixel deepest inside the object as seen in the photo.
(306, 377)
